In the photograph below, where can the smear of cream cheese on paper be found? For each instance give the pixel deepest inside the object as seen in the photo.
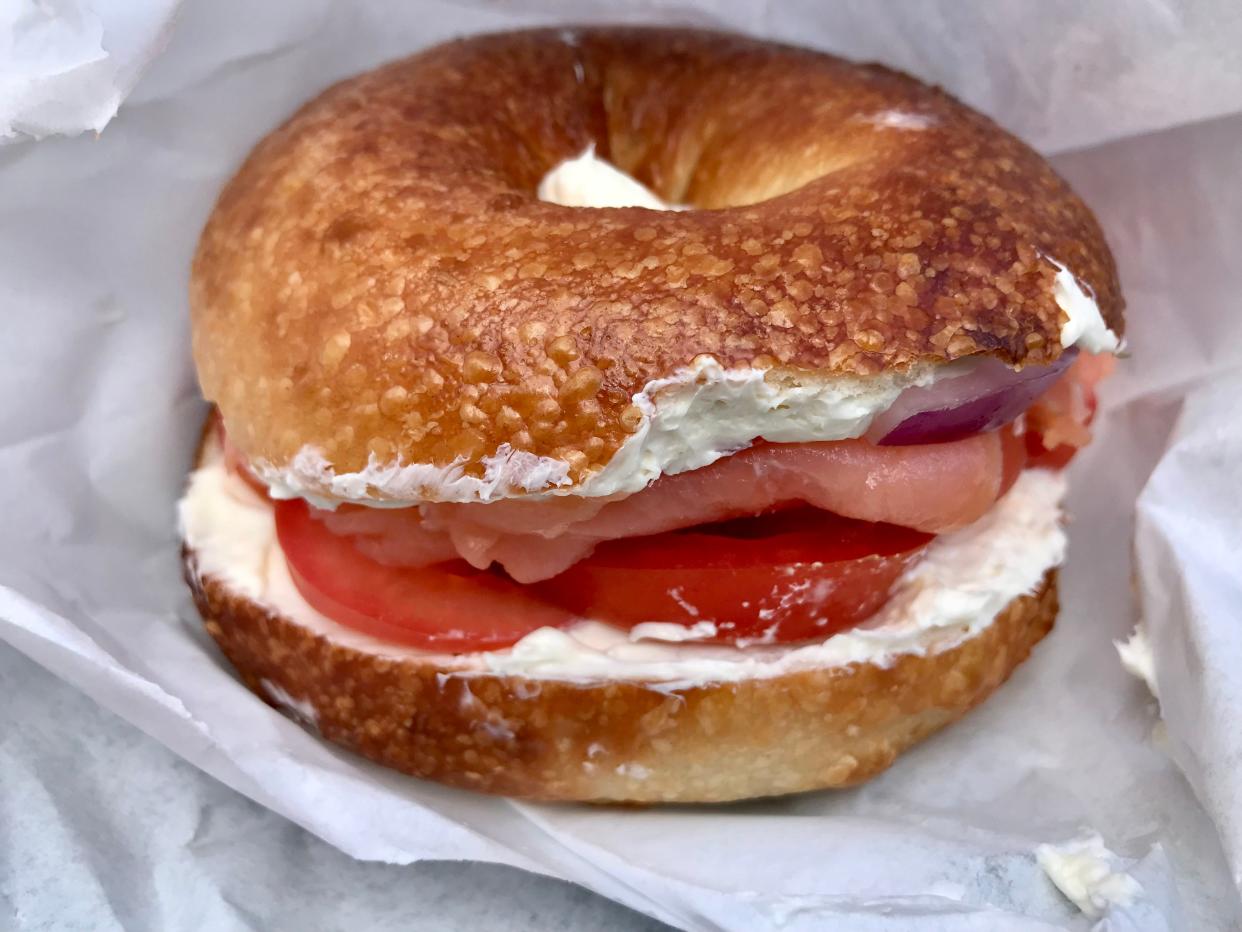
(1088, 874)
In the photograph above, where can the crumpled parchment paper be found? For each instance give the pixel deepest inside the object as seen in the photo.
(102, 414)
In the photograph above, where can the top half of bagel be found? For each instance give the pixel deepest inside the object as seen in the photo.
(380, 285)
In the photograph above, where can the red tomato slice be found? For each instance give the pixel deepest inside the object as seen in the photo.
(788, 576)
(448, 607)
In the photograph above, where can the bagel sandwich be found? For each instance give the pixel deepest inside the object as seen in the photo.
(638, 414)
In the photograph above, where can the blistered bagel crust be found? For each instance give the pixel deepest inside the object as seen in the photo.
(380, 284)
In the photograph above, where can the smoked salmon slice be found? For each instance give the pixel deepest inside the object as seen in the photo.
(931, 487)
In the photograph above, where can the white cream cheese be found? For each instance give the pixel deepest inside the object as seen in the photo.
(1085, 327)
(1137, 658)
(689, 419)
(955, 591)
(1088, 874)
(309, 475)
(673, 632)
(300, 709)
(589, 181)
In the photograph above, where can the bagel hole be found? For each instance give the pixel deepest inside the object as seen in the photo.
(728, 143)
(734, 163)
(702, 187)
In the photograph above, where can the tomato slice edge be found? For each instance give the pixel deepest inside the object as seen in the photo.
(429, 607)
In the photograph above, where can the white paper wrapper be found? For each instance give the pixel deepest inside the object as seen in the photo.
(1189, 555)
(66, 65)
(102, 414)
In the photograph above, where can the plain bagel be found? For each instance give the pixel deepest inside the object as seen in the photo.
(379, 282)
(616, 741)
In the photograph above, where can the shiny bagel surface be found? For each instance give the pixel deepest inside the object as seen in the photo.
(380, 283)
(613, 740)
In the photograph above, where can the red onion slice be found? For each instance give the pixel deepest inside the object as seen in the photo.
(989, 396)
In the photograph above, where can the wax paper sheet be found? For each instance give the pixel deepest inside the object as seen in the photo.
(102, 412)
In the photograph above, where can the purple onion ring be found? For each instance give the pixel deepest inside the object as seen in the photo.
(989, 396)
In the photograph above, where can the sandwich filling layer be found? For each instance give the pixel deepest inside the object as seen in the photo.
(963, 579)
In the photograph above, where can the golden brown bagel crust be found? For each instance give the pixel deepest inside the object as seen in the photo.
(619, 741)
(380, 281)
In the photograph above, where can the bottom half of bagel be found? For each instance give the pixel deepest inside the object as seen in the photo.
(617, 741)
(607, 739)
